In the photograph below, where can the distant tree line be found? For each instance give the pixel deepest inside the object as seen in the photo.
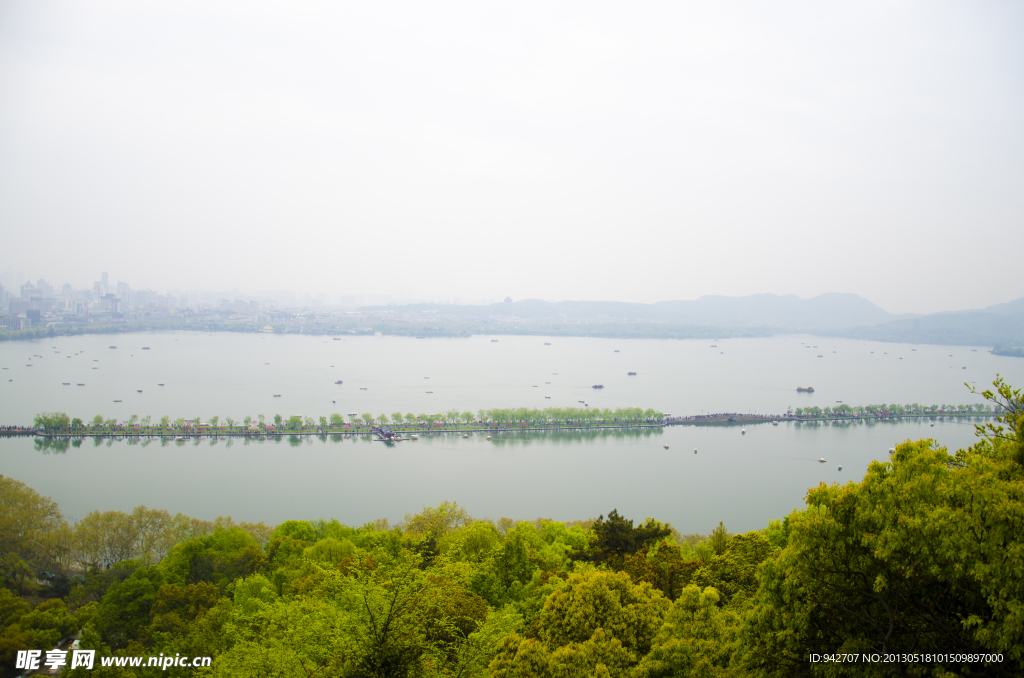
(845, 410)
(551, 416)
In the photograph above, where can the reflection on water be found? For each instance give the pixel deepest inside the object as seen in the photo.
(572, 436)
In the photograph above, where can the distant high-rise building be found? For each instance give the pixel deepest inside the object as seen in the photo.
(125, 293)
(28, 290)
(45, 289)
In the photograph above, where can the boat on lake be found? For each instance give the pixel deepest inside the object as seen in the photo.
(494, 341)
(145, 348)
(630, 374)
(597, 386)
(277, 395)
(139, 390)
(822, 460)
(805, 389)
(338, 382)
(547, 343)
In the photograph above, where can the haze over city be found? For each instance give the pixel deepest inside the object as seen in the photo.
(471, 152)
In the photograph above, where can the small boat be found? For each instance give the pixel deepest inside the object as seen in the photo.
(743, 431)
(547, 343)
(338, 382)
(145, 348)
(466, 435)
(616, 350)
(65, 383)
(488, 437)
(840, 468)
(138, 390)
(822, 460)
(418, 338)
(666, 447)
(429, 391)
(113, 347)
(630, 374)
(362, 388)
(695, 451)
(159, 384)
(805, 389)
(81, 384)
(775, 423)
(597, 386)
(536, 386)
(117, 401)
(334, 401)
(548, 397)
(335, 338)
(179, 439)
(494, 341)
(821, 356)
(277, 395)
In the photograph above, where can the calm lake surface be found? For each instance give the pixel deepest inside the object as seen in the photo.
(744, 480)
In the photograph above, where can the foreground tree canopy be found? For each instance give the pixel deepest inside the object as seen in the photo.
(925, 555)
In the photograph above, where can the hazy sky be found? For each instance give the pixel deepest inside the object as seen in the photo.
(559, 150)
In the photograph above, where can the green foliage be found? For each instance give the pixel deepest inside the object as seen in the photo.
(123, 612)
(616, 538)
(52, 420)
(32, 535)
(926, 551)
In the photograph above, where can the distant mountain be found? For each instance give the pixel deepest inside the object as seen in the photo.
(968, 328)
(1010, 307)
(790, 312)
(779, 313)
(845, 315)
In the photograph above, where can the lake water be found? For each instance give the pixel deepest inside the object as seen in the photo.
(743, 480)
